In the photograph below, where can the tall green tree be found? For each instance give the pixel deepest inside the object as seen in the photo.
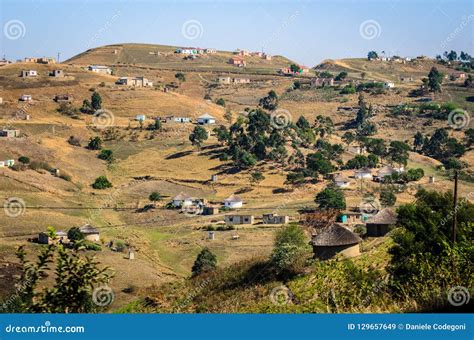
(198, 136)
(96, 101)
(331, 197)
(205, 262)
(435, 78)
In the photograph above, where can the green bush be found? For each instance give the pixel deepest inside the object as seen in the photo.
(106, 155)
(154, 196)
(24, 159)
(289, 247)
(206, 261)
(101, 182)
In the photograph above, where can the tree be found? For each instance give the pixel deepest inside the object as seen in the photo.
(95, 143)
(359, 161)
(270, 102)
(74, 234)
(290, 244)
(373, 160)
(295, 68)
(96, 101)
(106, 155)
(71, 291)
(331, 197)
(156, 125)
(303, 123)
(469, 133)
(198, 136)
(154, 196)
(419, 139)
(469, 81)
(220, 102)
(387, 197)
(86, 106)
(425, 262)
(451, 56)
(341, 76)
(23, 159)
(435, 78)
(101, 182)
(372, 55)
(317, 164)
(205, 262)
(222, 134)
(256, 177)
(180, 77)
(398, 152)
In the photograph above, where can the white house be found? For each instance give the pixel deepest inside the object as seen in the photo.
(206, 119)
(233, 202)
(182, 200)
(342, 181)
(7, 163)
(29, 73)
(26, 98)
(363, 173)
(100, 69)
(224, 80)
(140, 118)
(90, 233)
(388, 85)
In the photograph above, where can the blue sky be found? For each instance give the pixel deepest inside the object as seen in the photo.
(305, 31)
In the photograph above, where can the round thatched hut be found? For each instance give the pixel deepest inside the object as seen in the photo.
(334, 240)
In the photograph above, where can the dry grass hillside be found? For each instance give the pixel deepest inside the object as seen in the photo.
(167, 241)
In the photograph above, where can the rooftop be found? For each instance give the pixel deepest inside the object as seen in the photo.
(335, 235)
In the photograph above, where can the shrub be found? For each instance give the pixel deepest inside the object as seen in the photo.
(91, 246)
(106, 155)
(288, 249)
(95, 143)
(101, 182)
(24, 159)
(154, 196)
(348, 89)
(74, 234)
(65, 176)
(120, 245)
(220, 102)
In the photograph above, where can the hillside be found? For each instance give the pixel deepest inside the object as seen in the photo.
(167, 241)
(164, 57)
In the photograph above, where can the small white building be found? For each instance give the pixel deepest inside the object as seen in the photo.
(363, 173)
(140, 118)
(233, 202)
(8, 163)
(224, 80)
(182, 200)
(29, 73)
(26, 98)
(206, 119)
(388, 85)
(342, 181)
(387, 171)
(100, 69)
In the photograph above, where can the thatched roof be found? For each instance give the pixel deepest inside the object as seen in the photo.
(363, 170)
(384, 216)
(335, 235)
(88, 229)
(386, 170)
(181, 197)
(233, 198)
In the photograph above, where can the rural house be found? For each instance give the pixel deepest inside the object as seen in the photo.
(224, 80)
(335, 240)
(8, 163)
(63, 98)
(9, 133)
(341, 181)
(241, 80)
(61, 237)
(173, 119)
(352, 217)
(134, 81)
(210, 210)
(29, 73)
(363, 173)
(381, 223)
(206, 119)
(321, 82)
(240, 62)
(140, 118)
(90, 233)
(100, 69)
(233, 202)
(267, 57)
(242, 53)
(386, 171)
(46, 60)
(182, 200)
(26, 98)
(238, 219)
(210, 50)
(56, 73)
(275, 219)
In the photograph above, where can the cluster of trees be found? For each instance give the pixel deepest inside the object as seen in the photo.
(441, 147)
(91, 106)
(453, 56)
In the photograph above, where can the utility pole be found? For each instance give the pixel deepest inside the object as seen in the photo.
(59, 53)
(455, 208)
